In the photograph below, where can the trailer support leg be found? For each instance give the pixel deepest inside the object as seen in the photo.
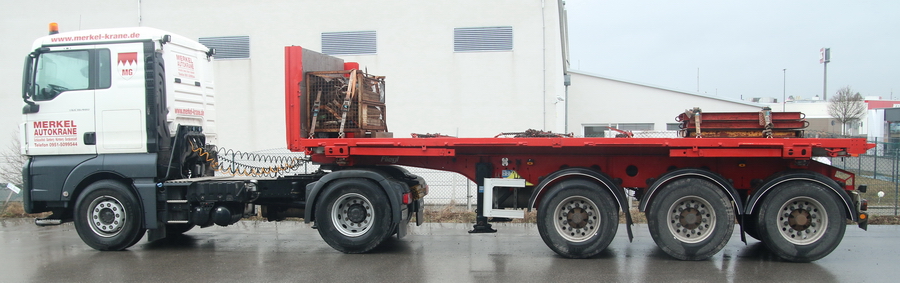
(482, 170)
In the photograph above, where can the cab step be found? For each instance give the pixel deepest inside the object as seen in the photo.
(47, 221)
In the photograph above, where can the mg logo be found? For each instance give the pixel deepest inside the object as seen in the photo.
(127, 62)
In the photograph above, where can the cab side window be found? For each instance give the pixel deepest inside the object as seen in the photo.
(104, 69)
(61, 71)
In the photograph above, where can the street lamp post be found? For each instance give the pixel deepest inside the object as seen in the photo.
(825, 83)
(784, 90)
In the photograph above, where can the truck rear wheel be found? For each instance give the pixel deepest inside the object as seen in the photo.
(108, 216)
(801, 221)
(691, 219)
(577, 218)
(353, 215)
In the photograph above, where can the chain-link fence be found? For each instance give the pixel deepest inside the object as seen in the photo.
(879, 170)
(447, 188)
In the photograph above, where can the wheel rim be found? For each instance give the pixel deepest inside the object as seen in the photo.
(107, 216)
(576, 219)
(691, 219)
(352, 214)
(802, 220)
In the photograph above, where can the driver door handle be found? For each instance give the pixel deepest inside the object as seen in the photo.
(90, 138)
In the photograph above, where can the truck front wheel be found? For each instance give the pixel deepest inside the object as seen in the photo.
(353, 215)
(691, 219)
(577, 218)
(108, 216)
(801, 221)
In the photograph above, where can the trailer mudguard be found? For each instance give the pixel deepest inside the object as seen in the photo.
(599, 177)
(693, 173)
(795, 175)
(393, 189)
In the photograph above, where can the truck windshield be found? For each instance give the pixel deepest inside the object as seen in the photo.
(57, 72)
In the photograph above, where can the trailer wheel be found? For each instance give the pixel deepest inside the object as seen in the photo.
(801, 221)
(353, 215)
(108, 216)
(577, 218)
(691, 219)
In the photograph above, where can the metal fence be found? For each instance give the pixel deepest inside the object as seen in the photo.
(447, 188)
(879, 170)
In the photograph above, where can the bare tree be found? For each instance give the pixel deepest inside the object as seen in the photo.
(13, 160)
(846, 107)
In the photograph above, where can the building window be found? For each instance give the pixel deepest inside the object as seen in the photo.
(595, 131)
(602, 130)
(483, 39)
(349, 43)
(673, 126)
(228, 47)
(634, 126)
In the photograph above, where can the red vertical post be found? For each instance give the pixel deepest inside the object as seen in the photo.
(293, 77)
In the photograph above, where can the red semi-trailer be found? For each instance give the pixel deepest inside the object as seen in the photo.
(692, 189)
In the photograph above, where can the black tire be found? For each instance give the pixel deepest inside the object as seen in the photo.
(178, 229)
(353, 215)
(108, 216)
(691, 219)
(577, 218)
(805, 205)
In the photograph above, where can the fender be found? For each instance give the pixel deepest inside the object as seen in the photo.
(802, 176)
(587, 174)
(140, 168)
(393, 190)
(26, 187)
(688, 173)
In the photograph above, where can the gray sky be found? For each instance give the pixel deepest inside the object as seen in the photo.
(740, 47)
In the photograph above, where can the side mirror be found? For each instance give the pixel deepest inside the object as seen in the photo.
(30, 107)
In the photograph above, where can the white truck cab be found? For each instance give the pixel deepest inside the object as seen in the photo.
(89, 92)
(109, 115)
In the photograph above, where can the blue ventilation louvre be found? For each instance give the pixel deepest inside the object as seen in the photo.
(228, 47)
(482, 39)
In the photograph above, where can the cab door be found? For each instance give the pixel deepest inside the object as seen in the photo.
(65, 79)
(121, 108)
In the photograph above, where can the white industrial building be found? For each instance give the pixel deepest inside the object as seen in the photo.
(596, 102)
(464, 67)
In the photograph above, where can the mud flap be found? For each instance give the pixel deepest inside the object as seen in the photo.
(158, 233)
(628, 222)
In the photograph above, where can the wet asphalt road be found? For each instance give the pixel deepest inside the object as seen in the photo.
(290, 251)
